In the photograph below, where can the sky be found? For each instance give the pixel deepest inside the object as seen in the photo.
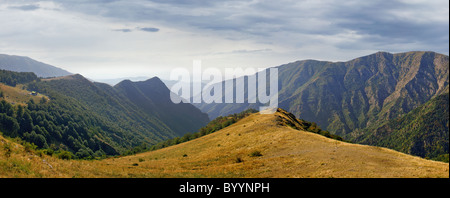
(105, 39)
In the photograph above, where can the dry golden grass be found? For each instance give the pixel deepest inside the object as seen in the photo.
(285, 153)
(18, 95)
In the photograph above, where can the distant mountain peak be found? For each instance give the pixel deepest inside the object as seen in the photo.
(382, 52)
(26, 64)
(155, 81)
(78, 76)
(124, 82)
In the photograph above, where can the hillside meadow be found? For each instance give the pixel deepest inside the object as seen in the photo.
(256, 146)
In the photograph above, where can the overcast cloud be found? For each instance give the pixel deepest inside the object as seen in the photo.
(116, 38)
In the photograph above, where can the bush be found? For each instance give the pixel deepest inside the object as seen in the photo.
(8, 149)
(29, 147)
(255, 154)
(65, 155)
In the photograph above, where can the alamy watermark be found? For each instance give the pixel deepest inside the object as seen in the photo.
(219, 90)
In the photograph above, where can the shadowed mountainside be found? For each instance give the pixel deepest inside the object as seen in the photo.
(94, 119)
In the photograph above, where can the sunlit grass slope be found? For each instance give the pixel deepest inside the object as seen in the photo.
(260, 145)
(19, 95)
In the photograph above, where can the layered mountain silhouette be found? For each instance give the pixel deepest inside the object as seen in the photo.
(93, 119)
(153, 96)
(398, 101)
(345, 97)
(26, 64)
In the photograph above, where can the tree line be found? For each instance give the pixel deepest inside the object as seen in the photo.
(213, 126)
(13, 78)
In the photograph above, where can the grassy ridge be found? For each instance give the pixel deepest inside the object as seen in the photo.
(256, 146)
(213, 126)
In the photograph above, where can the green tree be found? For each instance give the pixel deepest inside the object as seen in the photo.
(26, 122)
(8, 125)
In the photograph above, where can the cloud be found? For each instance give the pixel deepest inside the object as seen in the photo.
(288, 22)
(148, 29)
(243, 51)
(383, 24)
(145, 29)
(123, 30)
(228, 32)
(28, 7)
(374, 23)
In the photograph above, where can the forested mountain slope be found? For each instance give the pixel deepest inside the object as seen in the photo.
(93, 119)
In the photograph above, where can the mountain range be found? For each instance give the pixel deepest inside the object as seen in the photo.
(93, 119)
(346, 98)
(399, 101)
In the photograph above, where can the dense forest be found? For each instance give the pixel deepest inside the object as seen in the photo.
(13, 78)
(50, 127)
(422, 132)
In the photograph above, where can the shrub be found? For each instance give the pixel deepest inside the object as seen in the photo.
(29, 147)
(8, 150)
(65, 155)
(255, 154)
